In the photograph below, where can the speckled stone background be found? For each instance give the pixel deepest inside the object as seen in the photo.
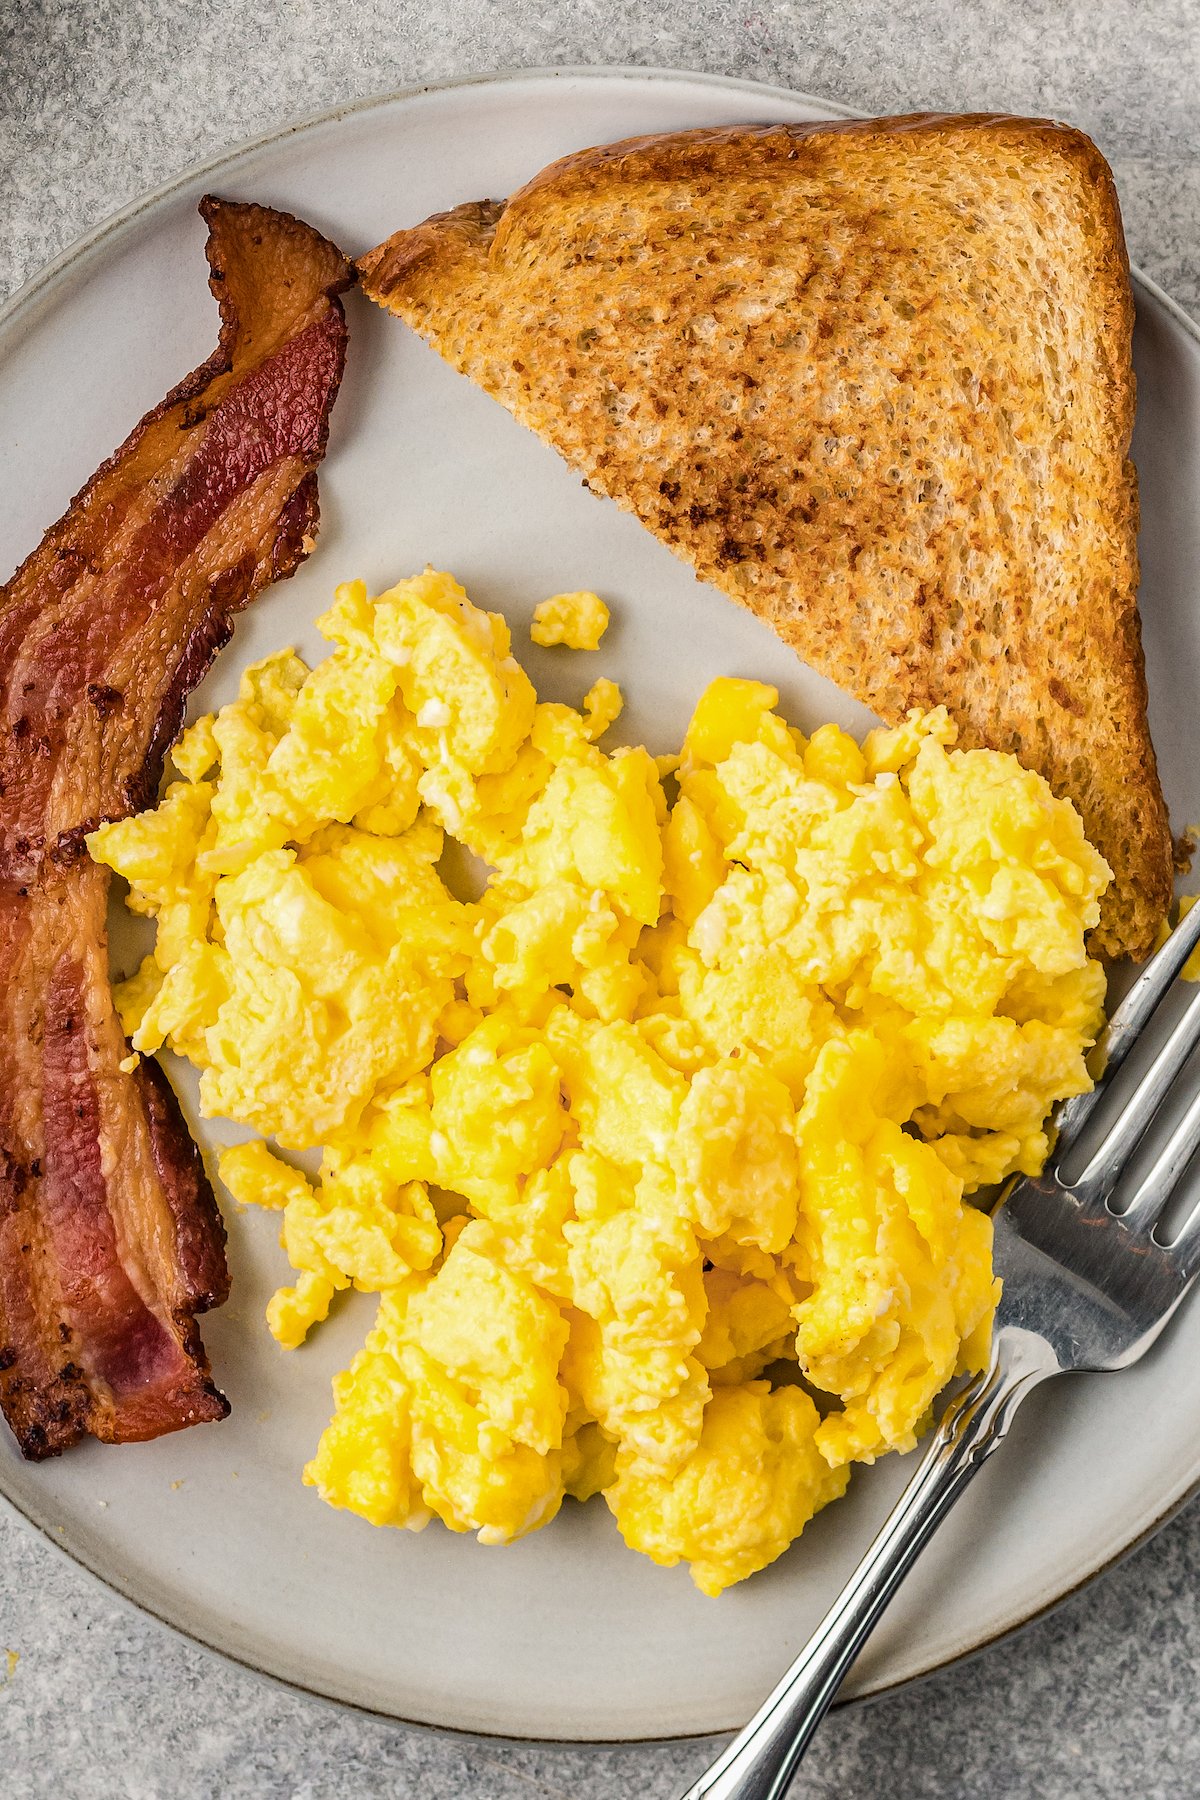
(99, 99)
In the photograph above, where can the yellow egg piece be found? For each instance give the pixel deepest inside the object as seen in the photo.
(578, 620)
(748, 1489)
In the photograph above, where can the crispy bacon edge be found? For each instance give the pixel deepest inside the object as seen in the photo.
(111, 1241)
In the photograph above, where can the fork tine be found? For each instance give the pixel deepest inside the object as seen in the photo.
(1162, 1178)
(1102, 1172)
(1126, 1024)
(1186, 1248)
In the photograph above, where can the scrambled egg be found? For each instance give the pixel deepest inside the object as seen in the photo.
(577, 620)
(656, 1151)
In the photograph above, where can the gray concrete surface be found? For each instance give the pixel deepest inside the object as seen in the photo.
(100, 99)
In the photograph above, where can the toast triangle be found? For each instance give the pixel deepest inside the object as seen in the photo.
(873, 380)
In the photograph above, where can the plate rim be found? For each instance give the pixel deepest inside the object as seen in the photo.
(23, 302)
(510, 74)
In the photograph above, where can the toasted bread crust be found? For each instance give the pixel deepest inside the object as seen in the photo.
(873, 380)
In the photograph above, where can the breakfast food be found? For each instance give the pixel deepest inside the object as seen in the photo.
(577, 620)
(655, 1149)
(110, 1239)
(873, 380)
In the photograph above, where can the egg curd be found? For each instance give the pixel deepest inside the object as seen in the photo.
(655, 1153)
(577, 620)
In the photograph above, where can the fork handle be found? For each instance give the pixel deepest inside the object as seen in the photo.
(760, 1763)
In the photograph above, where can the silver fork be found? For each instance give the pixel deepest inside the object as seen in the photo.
(1085, 1288)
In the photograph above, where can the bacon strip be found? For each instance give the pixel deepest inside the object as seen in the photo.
(110, 1238)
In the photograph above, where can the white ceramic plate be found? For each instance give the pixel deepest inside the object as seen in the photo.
(568, 1634)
